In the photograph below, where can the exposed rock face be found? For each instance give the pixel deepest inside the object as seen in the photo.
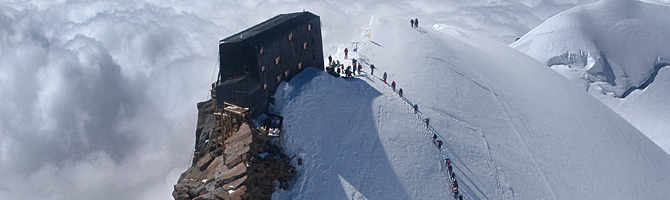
(252, 163)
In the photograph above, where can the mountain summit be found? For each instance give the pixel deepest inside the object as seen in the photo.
(616, 50)
(513, 128)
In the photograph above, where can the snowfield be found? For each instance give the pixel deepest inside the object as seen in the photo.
(513, 128)
(616, 50)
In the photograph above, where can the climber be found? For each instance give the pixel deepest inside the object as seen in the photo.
(346, 53)
(435, 138)
(416, 108)
(439, 145)
(330, 59)
(372, 69)
(384, 77)
(359, 68)
(354, 71)
(416, 22)
(400, 92)
(393, 85)
(449, 167)
(411, 21)
(427, 120)
(460, 197)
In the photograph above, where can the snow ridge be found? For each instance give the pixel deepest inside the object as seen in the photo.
(515, 129)
(614, 50)
(598, 32)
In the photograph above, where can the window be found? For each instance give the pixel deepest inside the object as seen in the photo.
(290, 36)
(279, 78)
(300, 65)
(309, 27)
(304, 45)
(263, 68)
(277, 60)
(260, 51)
(265, 86)
(286, 73)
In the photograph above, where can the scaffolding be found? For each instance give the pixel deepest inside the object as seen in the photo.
(225, 119)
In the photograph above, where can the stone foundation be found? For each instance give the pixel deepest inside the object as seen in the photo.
(253, 164)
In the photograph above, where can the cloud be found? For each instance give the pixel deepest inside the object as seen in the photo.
(98, 98)
(100, 106)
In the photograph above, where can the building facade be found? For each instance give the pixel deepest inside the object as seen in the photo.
(266, 54)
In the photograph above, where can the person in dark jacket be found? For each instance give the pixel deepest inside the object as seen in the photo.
(346, 53)
(416, 108)
(416, 22)
(372, 69)
(400, 92)
(384, 77)
(439, 144)
(354, 71)
(330, 59)
(393, 85)
(427, 121)
(411, 22)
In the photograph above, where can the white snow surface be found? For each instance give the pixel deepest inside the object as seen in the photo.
(513, 128)
(616, 50)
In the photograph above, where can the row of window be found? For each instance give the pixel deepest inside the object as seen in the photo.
(278, 58)
(299, 66)
(304, 46)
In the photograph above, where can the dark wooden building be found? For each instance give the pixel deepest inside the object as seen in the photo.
(253, 62)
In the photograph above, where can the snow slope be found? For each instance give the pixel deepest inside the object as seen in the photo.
(617, 51)
(515, 129)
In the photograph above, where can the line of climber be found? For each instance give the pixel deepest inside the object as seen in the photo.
(448, 164)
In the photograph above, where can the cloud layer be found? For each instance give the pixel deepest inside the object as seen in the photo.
(98, 98)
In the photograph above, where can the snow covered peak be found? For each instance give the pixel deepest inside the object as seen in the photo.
(615, 46)
(513, 128)
(617, 51)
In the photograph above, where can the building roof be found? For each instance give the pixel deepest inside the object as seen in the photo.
(278, 24)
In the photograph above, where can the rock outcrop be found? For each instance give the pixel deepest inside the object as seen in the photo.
(254, 166)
